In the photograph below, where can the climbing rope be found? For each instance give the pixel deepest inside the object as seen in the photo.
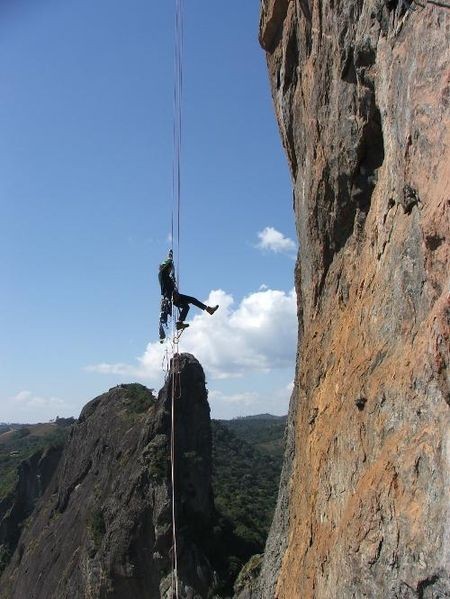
(172, 472)
(177, 132)
(175, 226)
(175, 394)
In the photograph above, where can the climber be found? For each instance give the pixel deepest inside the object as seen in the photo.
(170, 294)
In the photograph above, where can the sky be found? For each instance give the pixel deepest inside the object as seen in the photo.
(86, 197)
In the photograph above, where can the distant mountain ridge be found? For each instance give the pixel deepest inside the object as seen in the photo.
(258, 417)
(264, 432)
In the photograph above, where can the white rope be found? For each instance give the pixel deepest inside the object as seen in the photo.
(172, 472)
(176, 212)
(177, 133)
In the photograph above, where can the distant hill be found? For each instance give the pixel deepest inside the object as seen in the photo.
(19, 441)
(258, 417)
(264, 432)
(247, 460)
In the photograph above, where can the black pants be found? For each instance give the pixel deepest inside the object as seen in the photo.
(182, 302)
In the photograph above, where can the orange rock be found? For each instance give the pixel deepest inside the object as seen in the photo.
(362, 96)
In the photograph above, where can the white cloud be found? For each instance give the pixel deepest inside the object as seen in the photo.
(274, 241)
(231, 405)
(287, 390)
(26, 400)
(120, 369)
(245, 399)
(259, 335)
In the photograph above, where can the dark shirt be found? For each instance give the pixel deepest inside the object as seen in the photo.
(166, 278)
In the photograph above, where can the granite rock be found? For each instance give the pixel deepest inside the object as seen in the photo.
(361, 92)
(103, 527)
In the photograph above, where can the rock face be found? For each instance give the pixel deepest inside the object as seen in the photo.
(361, 91)
(103, 527)
(34, 476)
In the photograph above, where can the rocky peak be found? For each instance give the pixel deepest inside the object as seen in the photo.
(103, 526)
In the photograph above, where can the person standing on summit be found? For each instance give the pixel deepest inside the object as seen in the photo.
(170, 293)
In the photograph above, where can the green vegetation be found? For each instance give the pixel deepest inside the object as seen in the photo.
(249, 573)
(245, 478)
(156, 453)
(139, 398)
(21, 442)
(97, 527)
(20, 433)
(247, 459)
(5, 556)
(264, 432)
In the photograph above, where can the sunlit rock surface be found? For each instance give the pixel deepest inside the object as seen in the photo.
(361, 92)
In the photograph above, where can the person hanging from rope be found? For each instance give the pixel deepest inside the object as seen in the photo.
(170, 294)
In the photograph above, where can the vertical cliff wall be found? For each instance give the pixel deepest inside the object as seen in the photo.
(103, 526)
(361, 90)
(33, 477)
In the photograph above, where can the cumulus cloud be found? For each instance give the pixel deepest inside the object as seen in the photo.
(287, 390)
(245, 399)
(272, 240)
(27, 406)
(231, 405)
(30, 405)
(258, 335)
(120, 369)
(27, 399)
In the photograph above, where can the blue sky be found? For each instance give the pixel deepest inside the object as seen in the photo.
(86, 195)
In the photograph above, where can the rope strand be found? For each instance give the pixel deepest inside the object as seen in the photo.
(172, 471)
(176, 212)
(177, 128)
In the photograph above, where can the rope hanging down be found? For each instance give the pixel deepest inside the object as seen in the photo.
(177, 133)
(176, 213)
(175, 377)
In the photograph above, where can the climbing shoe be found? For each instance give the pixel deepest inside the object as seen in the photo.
(181, 326)
(211, 310)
